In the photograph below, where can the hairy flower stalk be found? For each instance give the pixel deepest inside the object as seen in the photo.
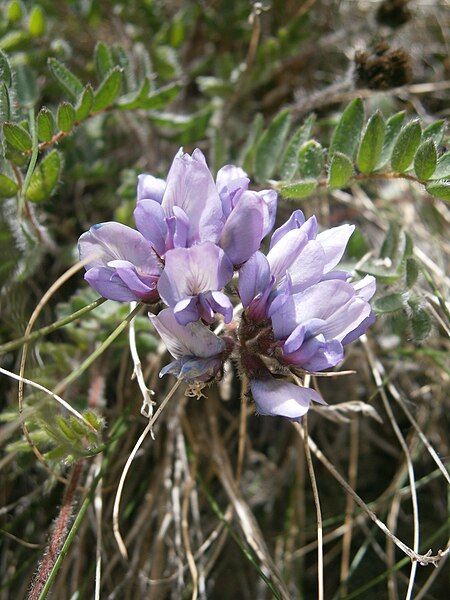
(194, 236)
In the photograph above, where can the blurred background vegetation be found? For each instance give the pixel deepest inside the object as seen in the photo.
(219, 503)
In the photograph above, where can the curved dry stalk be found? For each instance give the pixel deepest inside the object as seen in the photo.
(37, 311)
(422, 559)
(242, 428)
(61, 401)
(315, 491)
(148, 428)
(147, 402)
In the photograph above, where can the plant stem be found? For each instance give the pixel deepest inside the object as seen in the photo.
(13, 344)
(53, 552)
(33, 159)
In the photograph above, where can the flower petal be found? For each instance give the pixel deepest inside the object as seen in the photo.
(194, 339)
(150, 188)
(254, 277)
(191, 271)
(277, 397)
(270, 198)
(150, 220)
(191, 187)
(307, 268)
(334, 241)
(109, 285)
(243, 230)
(285, 251)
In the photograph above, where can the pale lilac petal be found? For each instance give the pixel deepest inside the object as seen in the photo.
(178, 229)
(220, 303)
(200, 369)
(295, 340)
(150, 220)
(295, 221)
(187, 310)
(285, 251)
(150, 188)
(254, 277)
(109, 285)
(243, 230)
(114, 241)
(360, 329)
(194, 339)
(365, 288)
(270, 198)
(342, 275)
(277, 397)
(230, 177)
(316, 354)
(190, 271)
(346, 319)
(191, 187)
(141, 284)
(334, 242)
(320, 301)
(307, 269)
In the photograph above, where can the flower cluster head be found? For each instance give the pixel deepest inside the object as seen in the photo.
(197, 248)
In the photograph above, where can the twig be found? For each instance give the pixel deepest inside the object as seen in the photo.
(127, 466)
(315, 491)
(147, 402)
(58, 538)
(422, 559)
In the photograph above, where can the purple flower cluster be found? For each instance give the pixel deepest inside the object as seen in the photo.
(193, 236)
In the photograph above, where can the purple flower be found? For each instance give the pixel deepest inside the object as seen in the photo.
(190, 208)
(192, 281)
(316, 323)
(277, 397)
(123, 266)
(196, 349)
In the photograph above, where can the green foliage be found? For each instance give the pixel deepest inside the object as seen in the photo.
(17, 137)
(8, 187)
(290, 161)
(340, 171)
(67, 80)
(45, 178)
(393, 127)
(36, 22)
(108, 90)
(299, 189)
(425, 160)
(270, 146)
(345, 137)
(371, 146)
(405, 146)
(65, 117)
(440, 189)
(310, 160)
(45, 125)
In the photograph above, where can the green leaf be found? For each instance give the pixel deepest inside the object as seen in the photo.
(383, 274)
(45, 125)
(247, 154)
(443, 167)
(103, 60)
(299, 189)
(440, 189)
(412, 272)
(393, 127)
(310, 160)
(84, 105)
(289, 162)
(108, 90)
(389, 303)
(67, 80)
(14, 11)
(371, 144)
(435, 131)
(8, 187)
(149, 101)
(341, 169)
(420, 323)
(5, 69)
(405, 147)
(345, 137)
(425, 160)
(270, 146)
(36, 22)
(45, 178)
(14, 40)
(26, 86)
(5, 103)
(65, 117)
(391, 242)
(17, 137)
